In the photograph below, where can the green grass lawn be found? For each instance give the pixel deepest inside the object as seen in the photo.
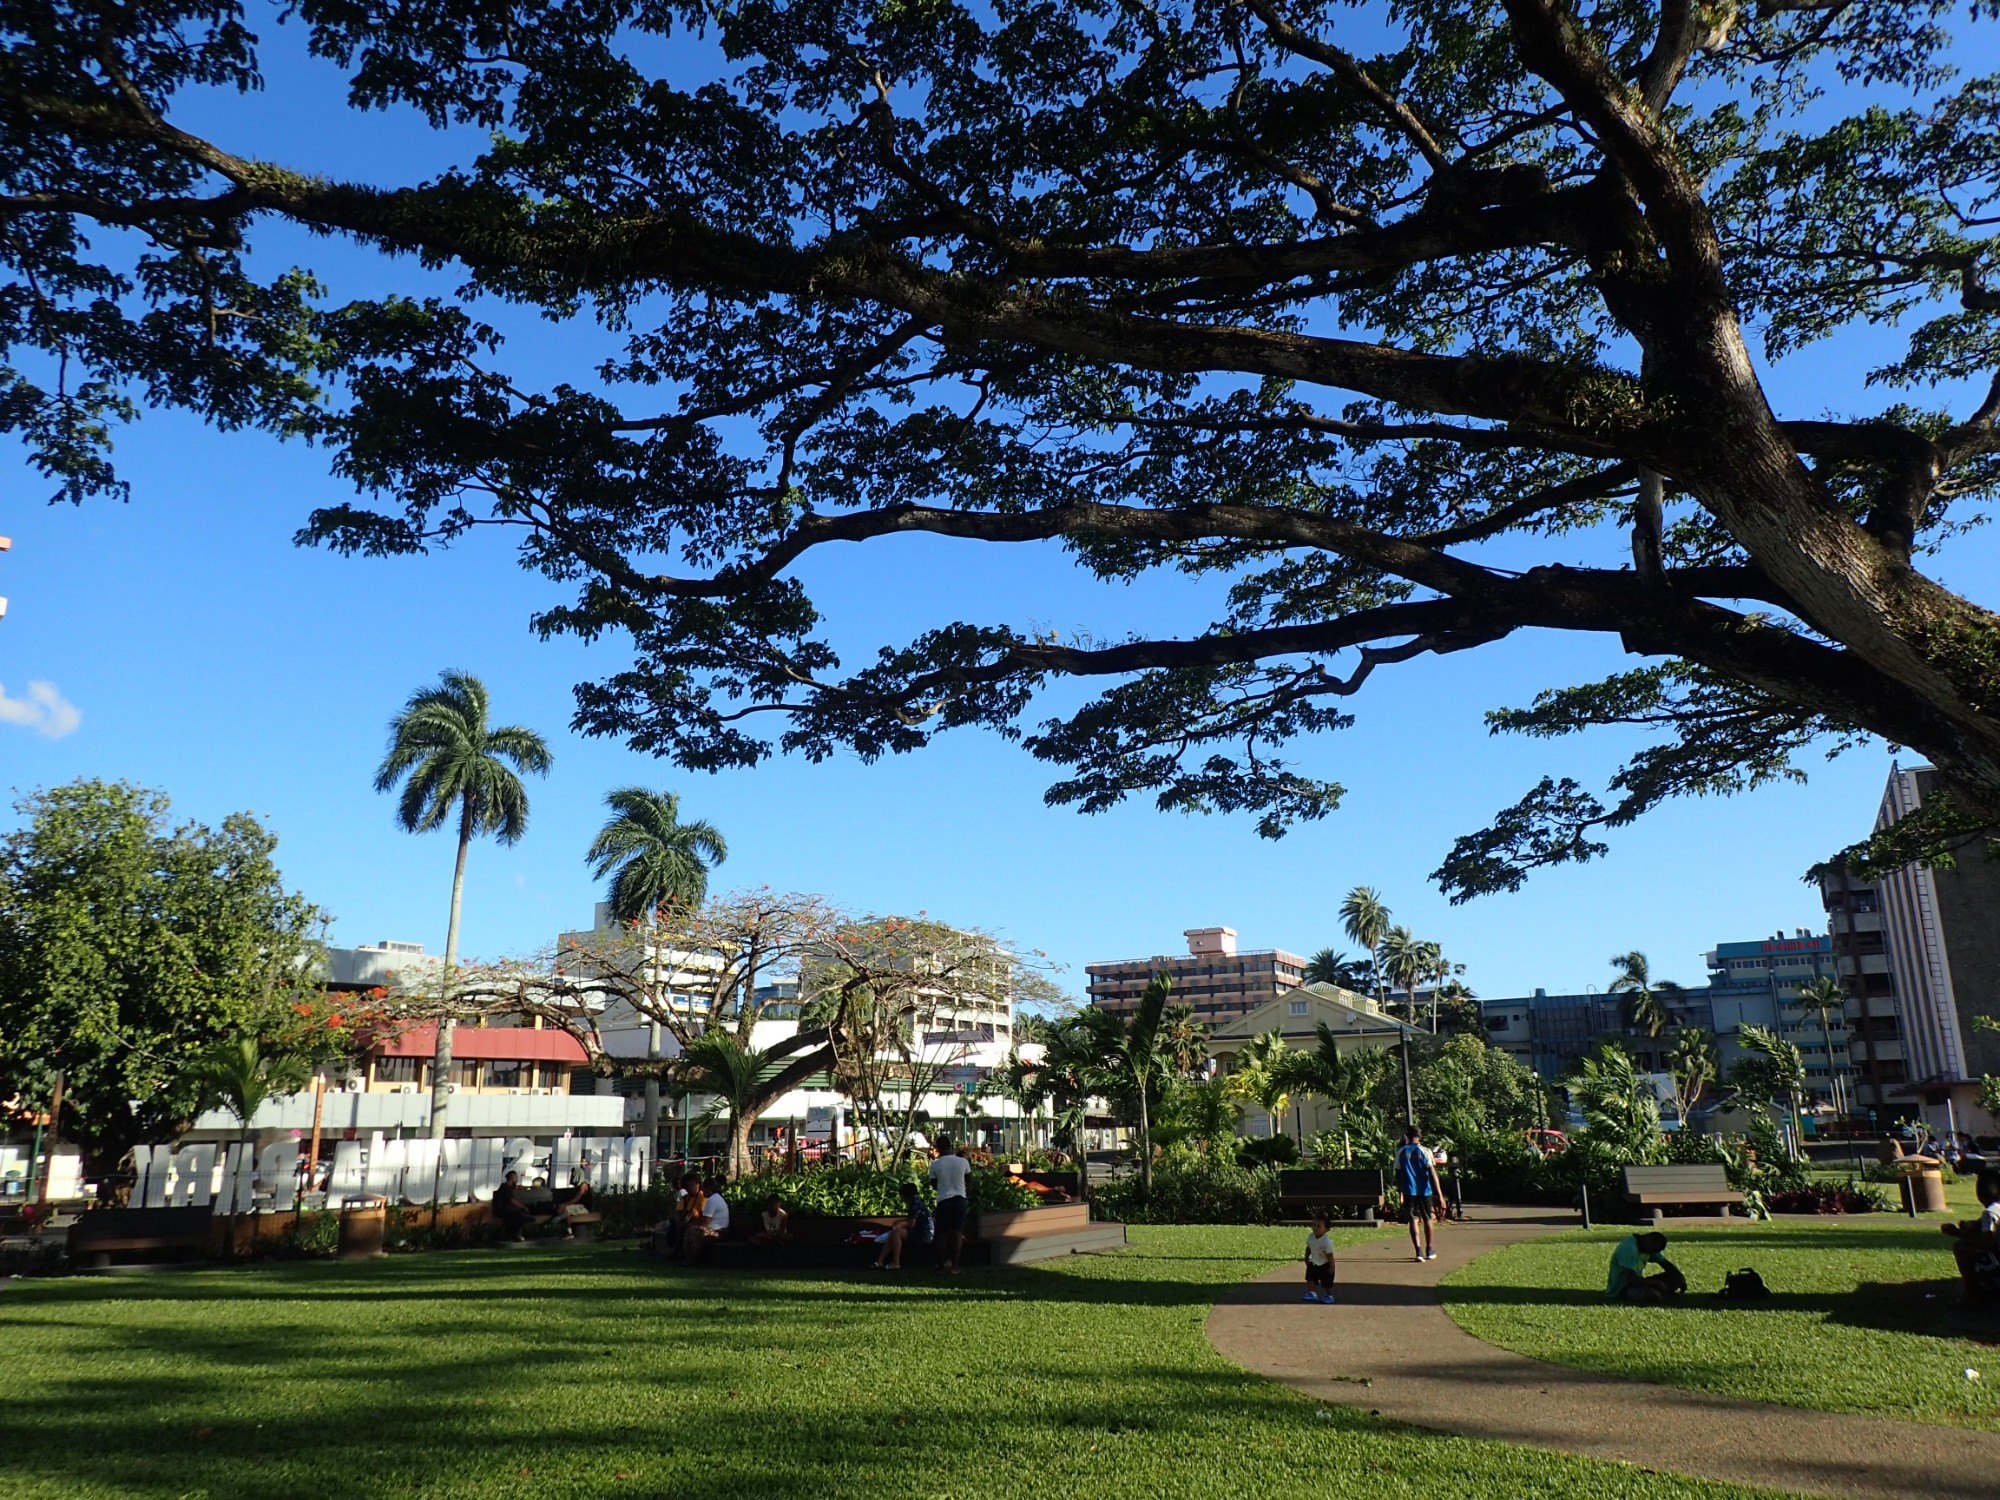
(596, 1372)
(1863, 1316)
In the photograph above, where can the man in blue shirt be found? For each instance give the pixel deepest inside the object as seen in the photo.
(1423, 1194)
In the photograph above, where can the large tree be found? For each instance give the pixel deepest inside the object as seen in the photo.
(131, 948)
(1419, 326)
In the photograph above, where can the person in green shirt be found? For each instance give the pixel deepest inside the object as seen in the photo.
(1629, 1282)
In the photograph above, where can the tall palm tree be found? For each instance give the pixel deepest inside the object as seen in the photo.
(1618, 1108)
(1183, 1039)
(654, 860)
(453, 763)
(1365, 919)
(1364, 916)
(1825, 995)
(1649, 1003)
(1129, 1058)
(1408, 961)
(745, 1081)
(655, 863)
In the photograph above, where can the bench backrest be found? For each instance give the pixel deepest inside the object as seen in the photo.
(166, 1223)
(1711, 1177)
(1340, 1182)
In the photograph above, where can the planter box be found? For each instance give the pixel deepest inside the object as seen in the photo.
(1049, 1218)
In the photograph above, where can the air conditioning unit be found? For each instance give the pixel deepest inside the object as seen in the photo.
(515, 1092)
(406, 1088)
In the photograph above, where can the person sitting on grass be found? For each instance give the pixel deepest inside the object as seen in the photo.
(1976, 1244)
(1319, 1262)
(1629, 1282)
(777, 1224)
(513, 1214)
(917, 1229)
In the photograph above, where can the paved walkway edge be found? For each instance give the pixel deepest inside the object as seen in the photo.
(1389, 1347)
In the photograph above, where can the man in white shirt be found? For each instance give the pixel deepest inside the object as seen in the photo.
(949, 1174)
(713, 1223)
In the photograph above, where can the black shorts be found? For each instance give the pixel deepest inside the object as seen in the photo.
(951, 1215)
(1421, 1206)
(1319, 1275)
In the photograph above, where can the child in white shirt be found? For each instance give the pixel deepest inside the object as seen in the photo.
(1319, 1263)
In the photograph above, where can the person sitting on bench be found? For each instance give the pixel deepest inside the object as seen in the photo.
(508, 1208)
(1976, 1244)
(918, 1229)
(1629, 1282)
(709, 1222)
(777, 1224)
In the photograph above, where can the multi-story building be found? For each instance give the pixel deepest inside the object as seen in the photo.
(1758, 983)
(1854, 924)
(1941, 936)
(1220, 982)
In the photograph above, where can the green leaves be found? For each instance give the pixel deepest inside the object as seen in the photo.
(130, 949)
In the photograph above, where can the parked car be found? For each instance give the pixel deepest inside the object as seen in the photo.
(1548, 1142)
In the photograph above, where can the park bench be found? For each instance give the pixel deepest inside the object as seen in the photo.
(95, 1235)
(1659, 1188)
(1330, 1191)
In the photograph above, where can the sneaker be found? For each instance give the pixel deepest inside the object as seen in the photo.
(1430, 1255)
(1328, 1299)
(1310, 1297)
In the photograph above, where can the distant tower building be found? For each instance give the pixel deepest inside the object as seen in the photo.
(1941, 931)
(1212, 976)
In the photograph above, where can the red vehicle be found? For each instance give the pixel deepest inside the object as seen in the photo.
(1548, 1142)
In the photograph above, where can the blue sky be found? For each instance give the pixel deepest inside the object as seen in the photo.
(203, 654)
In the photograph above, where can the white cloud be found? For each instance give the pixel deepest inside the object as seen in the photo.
(41, 709)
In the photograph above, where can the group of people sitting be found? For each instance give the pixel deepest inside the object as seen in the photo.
(563, 1206)
(700, 1217)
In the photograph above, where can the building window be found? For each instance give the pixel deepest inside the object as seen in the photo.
(398, 1069)
(555, 1075)
(465, 1072)
(503, 1075)
(1299, 1007)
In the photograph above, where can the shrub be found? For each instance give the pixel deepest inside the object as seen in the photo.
(1195, 1189)
(1827, 1198)
(1267, 1150)
(1690, 1148)
(851, 1191)
(314, 1234)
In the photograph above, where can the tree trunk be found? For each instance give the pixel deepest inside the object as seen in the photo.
(1145, 1146)
(741, 1123)
(441, 1057)
(652, 1126)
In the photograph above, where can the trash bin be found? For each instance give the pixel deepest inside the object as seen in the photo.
(1923, 1188)
(364, 1225)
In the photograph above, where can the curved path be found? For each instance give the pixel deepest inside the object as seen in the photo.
(1389, 1347)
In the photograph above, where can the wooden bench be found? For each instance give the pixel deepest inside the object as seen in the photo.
(1329, 1190)
(1659, 1188)
(95, 1235)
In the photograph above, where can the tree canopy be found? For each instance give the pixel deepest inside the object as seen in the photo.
(1417, 325)
(131, 949)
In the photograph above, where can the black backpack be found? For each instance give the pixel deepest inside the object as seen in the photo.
(1744, 1286)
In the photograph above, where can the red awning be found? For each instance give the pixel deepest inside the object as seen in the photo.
(504, 1043)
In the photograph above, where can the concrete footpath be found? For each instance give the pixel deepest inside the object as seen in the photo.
(1389, 1348)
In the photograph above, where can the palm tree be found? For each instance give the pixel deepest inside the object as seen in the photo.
(1408, 961)
(450, 760)
(1773, 1067)
(1825, 995)
(1693, 1065)
(1129, 1057)
(1618, 1107)
(1344, 1080)
(746, 1081)
(1329, 967)
(1183, 1040)
(1649, 1003)
(1263, 1075)
(233, 1074)
(1365, 919)
(656, 863)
